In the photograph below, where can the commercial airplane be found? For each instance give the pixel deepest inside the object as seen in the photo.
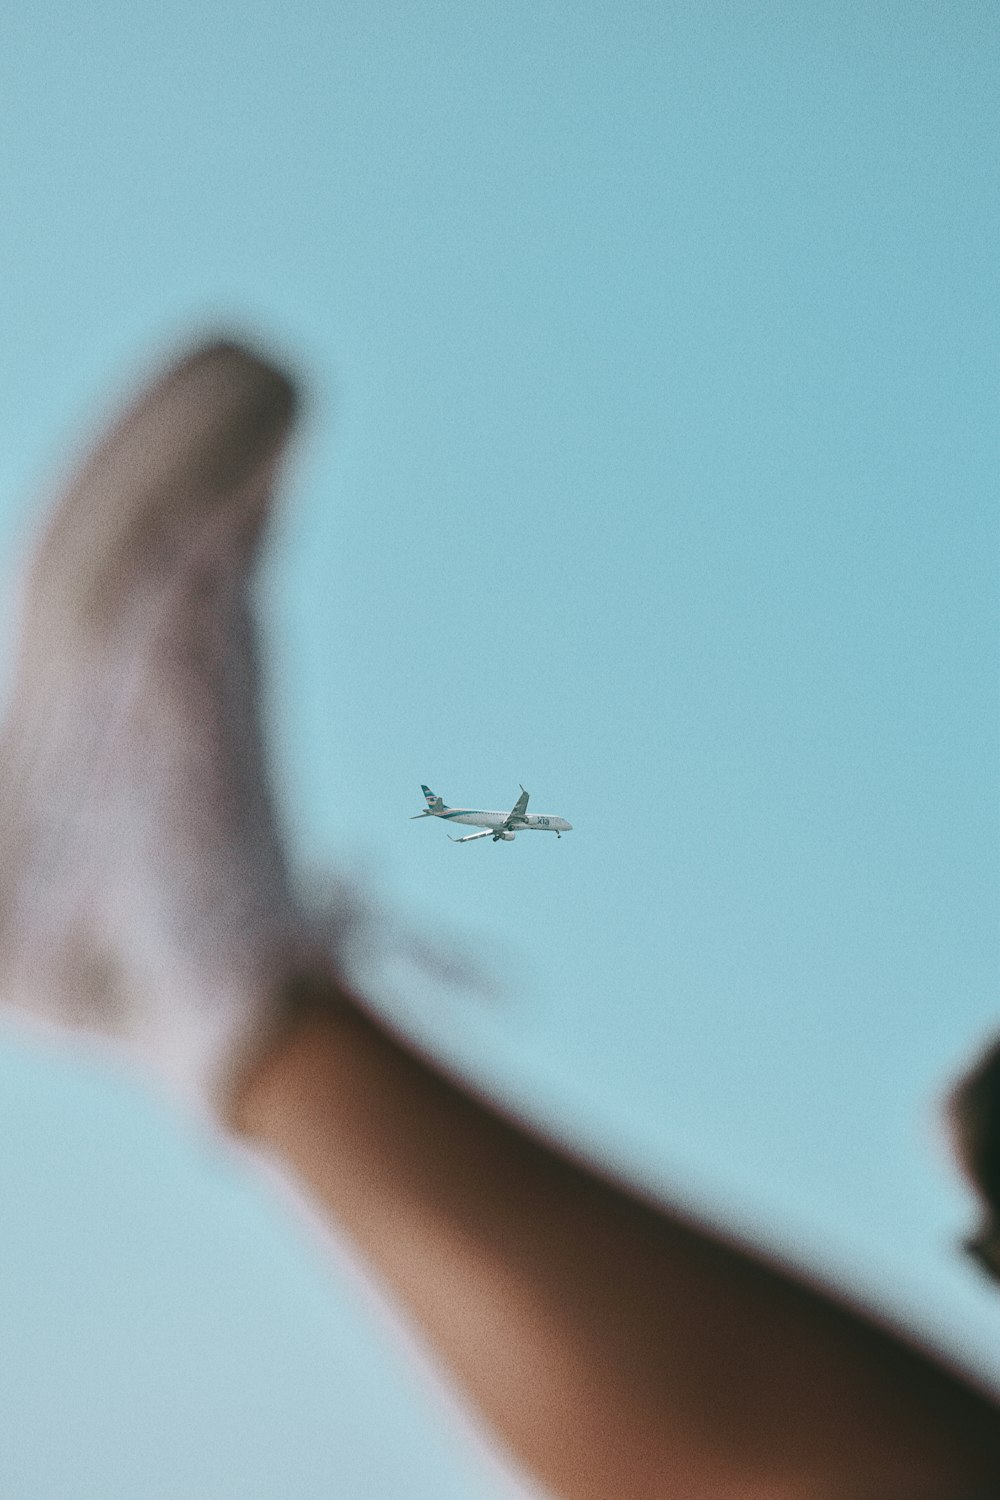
(497, 825)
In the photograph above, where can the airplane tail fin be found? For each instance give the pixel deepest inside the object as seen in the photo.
(434, 804)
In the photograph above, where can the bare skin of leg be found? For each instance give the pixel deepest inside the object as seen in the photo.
(617, 1349)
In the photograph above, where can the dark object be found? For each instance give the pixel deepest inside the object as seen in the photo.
(974, 1108)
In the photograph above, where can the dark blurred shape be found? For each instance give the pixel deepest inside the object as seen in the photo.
(974, 1109)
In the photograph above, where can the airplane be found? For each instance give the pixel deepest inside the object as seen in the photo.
(495, 825)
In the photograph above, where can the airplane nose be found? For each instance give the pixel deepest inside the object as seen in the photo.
(568, 827)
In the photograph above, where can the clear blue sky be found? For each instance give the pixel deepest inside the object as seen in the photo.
(651, 463)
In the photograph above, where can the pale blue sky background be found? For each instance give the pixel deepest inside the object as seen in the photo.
(651, 463)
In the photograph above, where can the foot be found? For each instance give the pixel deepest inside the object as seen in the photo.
(144, 891)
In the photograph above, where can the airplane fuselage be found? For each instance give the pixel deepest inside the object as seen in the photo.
(541, 821)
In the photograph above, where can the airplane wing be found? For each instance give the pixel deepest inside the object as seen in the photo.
(517, 811)
(484, 835)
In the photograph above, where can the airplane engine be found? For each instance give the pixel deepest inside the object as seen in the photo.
(506, 837)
